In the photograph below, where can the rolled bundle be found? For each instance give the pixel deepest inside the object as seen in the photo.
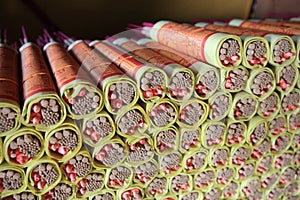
(283, 47)
(150, 80)
(97, 128)
(269, 107)
(192, 113)
(1, 153)
(132, 121)
(119, 90)
(77, 167)
(133, 192)
(42, 107)
(157, 187)
(9, 106)
(236, 133)
(261, 83)
(166, 140)
(257, 130)
(24, 195)
(207, 78)
(63, 142)
(105, 194)
(225, 175)
(145, 172)
(170, 164)
(283, 160)
(43, 176)
(81, 97)
(287, 175)
(244, 106)
(195, 161)
(194, 195)
(213, 134)
(269, 180)
(91, 184)
(205, 179)
(220, 104)
(206, 45)
(110, 153)
(234, 80)
(261, 149)
(181, 183)
(251, 188)
(256, 48)
(281, 143)
(278, 125)
(213, 193)
(240, 154)
(245, 171)
(190, 139)
(118, 177)
(218, 157)
(162, 113)
(181, 79)
(291, 190)
(141, 150)
(296, 141)
(264, 164)
(286, 78)
(231, 191)
(290, 101)
(296, 157)
(293, 122)
(12, 180)
(63, 190)
(274, 193)
(24, 147)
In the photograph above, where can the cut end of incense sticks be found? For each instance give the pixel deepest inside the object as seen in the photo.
(287, 77)
(146, 171)
(180, 85)
(77, 167)
(44, 175)
(282, 51)
(294, 121)
(132, 194)
(269, 105)
(119, 176)
(166, 140)
(170, 163)
(219, 106)
(140, 151)
(240, 155)
(264, 165)
(46, 112)
(262, 83)
(120, 94)
(191, 196)
(110, 154)
(290, 101)
(246, 171)
(22, 195)
(162, 114)
(236, 79)
(131, 121)
(277, 125)
(235, 133)
(190, 139)
(219, 157)
(256, 53)
(244, 108)
(10, 180)
(231, 190)
(196, 161)
(191, 114)
(90, 183)
(157, 186)
(63, 142)
(180, 183)
(105, 196)
(7, 119)
(224, 175)
(204, 179)
(152, 84)
(229, 52)
(208, 82)
(98, 128)
(61, 191)
(214, 135)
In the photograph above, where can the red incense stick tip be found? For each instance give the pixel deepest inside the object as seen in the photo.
(148, 24)
(24, 34)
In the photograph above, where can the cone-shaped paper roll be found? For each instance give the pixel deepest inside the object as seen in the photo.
(190, 139)
(192, 113)
(207, 78)
(118, 177)
(137, 69)
(269, 107)
(213, 134)
(109, 154)
(181, 183)
(218, 157)
(104, 194)
(43, 176)
(245, 171)
(234, 80)
(9, 93)
(290, 102)
(195, 161)
(77, 167)
(231, 191)
(132, 122)
(63, 190)
(258, 129)
(81, 97)
(261, 83)
(24, 147)
(252, 57)
(220, 104)
(200, 43)
(162, 113)
(97, 128)
(236, 133)
(157, 187)
(91, 184)
(13, 180)
(278, 125)
(286, 78)
(131, 192)
(27, 194)
(195, 195)
(205, 179)
(145, 173)
(42, 107)
(170, 164)
(166, 140)
(244, 106)
(181, 79)
(63, 142)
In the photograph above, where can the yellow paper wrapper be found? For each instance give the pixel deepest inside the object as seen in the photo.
(190, 139)
(213, 134)
(236, 133)
(170, 164)
(234, 80)
(290, 102)
(71, 128)
(62, 187)
(157, 187)
(195, 161)
(231, 191)
(215, 102)
(145, 173)
(24, 194)
(245, 171)
(283, 159)
(36, 147)
(91, 184)
(257, 130)
(163, 146)
(118, 177)
(168, 197)
(278, 124)
(240, 154)
(251, 188)
(218, 156)
(104, 194)
(181, 183)
(93, 129)
(265, 164)
(205, 179)
(112, 148)
(274, 193)
(126, 193)
(15, 170)
(1, 153)
(269, 107)
(48, 186)
(293, 123)
(281, 143)
(196, 195)
(270, 179)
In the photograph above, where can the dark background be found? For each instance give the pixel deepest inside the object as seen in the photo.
(92, 19)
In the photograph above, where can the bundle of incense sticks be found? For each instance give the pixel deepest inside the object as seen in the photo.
(176, 112)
